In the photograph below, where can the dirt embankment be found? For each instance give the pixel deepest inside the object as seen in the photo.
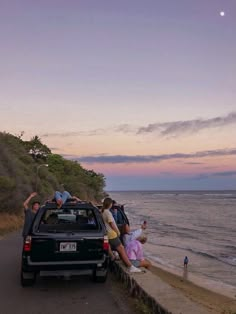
(9, 223)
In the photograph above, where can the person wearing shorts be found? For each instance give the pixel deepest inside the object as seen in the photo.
(186, 262)
(113, 234)
(134, 250)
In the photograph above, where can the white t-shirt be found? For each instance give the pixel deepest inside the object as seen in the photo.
(133, 235)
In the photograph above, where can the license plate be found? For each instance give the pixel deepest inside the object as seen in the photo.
(68, 246)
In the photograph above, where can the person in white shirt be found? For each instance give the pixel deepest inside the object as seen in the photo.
(133, 235)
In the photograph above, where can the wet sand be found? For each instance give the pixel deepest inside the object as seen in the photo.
(214, 302)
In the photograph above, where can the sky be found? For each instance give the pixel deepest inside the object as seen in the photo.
(141, 91)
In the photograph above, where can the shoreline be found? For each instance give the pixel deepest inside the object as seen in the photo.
(215, 302)
(199, 280)
(205, 279)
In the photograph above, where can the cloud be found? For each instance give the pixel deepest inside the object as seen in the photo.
(176, 128)
(124, 159)
(230, 173)
(76, 133)
(194, 163)
(126, 128)
(225, 174)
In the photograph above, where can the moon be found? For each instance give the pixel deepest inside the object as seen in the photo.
(222, 13)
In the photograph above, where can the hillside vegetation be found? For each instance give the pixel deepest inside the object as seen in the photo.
(23, 170)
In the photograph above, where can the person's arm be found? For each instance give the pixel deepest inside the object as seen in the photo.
(144, 225)
(26, 202)
(114, 213)
(114, 227)
(76, 198)
(135, 234)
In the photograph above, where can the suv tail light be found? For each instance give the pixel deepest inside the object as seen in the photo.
(27, 244)
(105, 243)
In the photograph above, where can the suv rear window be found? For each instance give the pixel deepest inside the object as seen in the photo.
(60, 220)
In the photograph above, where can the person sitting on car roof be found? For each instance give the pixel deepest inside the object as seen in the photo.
(62, 197)
(29, 213)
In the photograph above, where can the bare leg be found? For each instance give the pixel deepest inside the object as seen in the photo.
(145, 263)
(112, 256)
(121, 250)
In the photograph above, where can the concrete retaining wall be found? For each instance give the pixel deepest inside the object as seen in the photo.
(136, 290)
(160, 297)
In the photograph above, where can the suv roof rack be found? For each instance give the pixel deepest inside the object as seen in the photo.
(70, 204)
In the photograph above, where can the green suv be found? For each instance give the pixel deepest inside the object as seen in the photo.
(69, 241)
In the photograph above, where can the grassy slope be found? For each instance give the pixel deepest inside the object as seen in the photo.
(18, 171)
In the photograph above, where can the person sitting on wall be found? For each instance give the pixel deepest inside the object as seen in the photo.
(132, 235)
(134, 250)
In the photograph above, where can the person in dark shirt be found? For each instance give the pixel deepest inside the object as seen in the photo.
(116, 213)
(186, 262)
(29, 213)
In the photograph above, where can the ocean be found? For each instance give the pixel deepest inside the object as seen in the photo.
(197, 224)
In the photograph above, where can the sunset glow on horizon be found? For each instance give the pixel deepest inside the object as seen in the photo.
(129, 89)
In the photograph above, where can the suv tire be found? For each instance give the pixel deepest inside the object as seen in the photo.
(100, 279)
(27, 278)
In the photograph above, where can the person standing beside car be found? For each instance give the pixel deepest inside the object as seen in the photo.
(29, 213)
(113, 235)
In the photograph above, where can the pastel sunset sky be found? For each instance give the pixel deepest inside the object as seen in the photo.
(142, 91)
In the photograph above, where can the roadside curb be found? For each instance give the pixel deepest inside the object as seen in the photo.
(160, 297)
(135, 289)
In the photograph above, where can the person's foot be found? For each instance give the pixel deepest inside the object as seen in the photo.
(59, 203)
(133, 269)
(116, 255)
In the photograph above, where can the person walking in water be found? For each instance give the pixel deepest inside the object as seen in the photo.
(114, 233)
(186, 262)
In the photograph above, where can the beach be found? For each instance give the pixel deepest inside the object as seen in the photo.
(200, 225)
(214, 302)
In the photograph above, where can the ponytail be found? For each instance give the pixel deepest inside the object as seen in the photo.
(106, 203)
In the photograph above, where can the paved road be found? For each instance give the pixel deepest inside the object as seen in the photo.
(52, 295)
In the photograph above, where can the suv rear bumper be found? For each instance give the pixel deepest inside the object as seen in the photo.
(93, 262)
(72, 272)
(87, 265)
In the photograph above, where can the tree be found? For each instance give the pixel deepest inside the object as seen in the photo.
(37, 149)
(18, 171)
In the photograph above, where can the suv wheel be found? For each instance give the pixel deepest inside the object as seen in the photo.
(27, 278)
